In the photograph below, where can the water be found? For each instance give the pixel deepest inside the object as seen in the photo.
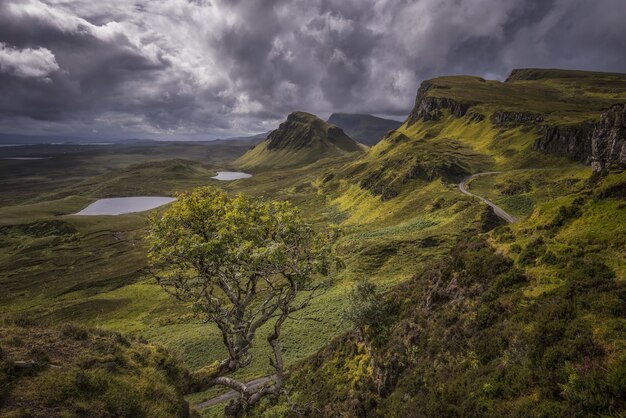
(231, 175)
(121, 205)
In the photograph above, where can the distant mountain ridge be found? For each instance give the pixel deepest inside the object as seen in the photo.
(367, 129)
(302, 139)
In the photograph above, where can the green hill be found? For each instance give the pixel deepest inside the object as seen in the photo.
(302, 139)
(463, 125)
(469, 316)
(525, 319)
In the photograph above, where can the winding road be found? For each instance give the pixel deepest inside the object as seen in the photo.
(496, 209)
(231, 393)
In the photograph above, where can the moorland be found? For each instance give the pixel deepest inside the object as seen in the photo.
(464, 313)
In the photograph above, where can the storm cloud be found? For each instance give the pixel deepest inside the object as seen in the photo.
(204, 69)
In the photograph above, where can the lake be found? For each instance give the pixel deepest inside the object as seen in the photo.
(231, 175)
(122, 205)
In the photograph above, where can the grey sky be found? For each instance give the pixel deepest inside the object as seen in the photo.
(202, 69)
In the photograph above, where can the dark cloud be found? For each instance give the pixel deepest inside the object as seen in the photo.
(199, 68)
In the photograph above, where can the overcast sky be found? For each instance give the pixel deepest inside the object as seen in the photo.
(215, 68)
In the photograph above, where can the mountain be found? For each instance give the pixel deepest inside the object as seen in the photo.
(463, 124)
(366, 129)
(518, 319)
(302, 139)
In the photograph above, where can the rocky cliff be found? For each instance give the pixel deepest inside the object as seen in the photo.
(429, 108)
(572, 141)
(601, 144)
(304, 130)
(608, 143)
(511, 119)
(303, 138)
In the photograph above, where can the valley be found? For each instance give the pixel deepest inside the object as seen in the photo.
(494, 205)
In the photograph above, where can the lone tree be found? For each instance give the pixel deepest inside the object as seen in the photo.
(242, 262)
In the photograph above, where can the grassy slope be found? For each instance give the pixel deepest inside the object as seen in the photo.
(541, 189)
(71, 372)
(386, 241)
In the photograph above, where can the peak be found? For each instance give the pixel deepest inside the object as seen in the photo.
(299, 116)
(302, 139)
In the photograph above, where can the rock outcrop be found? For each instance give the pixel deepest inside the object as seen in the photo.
(451, 170)
(303, 130)
(572, 141)
(428, 108)
(601, 144)
(511, 119)
(608, 143)
(302, 139)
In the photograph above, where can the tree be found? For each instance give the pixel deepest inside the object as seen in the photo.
(367, 311)
(242, 262)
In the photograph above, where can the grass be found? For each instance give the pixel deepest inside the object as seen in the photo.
(71, 371)
(563, 96)
(66, 166)
(91, 269)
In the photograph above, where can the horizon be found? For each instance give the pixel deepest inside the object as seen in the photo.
(203, 70)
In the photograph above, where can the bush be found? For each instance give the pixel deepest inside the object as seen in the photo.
(533, 250)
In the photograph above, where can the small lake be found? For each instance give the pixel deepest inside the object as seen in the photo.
(122, 205)
(231, 175)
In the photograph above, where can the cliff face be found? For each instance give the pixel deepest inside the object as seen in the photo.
(608, 143)
(429, 108)
(571, 141)
(600, 144)
(511, 119)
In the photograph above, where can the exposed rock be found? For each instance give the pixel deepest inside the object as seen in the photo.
(512, 119)
(601, 144)
(450, 170)
(302, 130)
(573, 141)
(302, 139)
(377, 186)
(608, 143)
(475, 117)
(396, 137)
(429, 108)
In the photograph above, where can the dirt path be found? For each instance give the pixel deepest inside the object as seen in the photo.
(497, 209)
(231, 393)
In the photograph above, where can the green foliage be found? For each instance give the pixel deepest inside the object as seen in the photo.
(465, 342)
(242, 262)
(71, 371)
(368, 311)
(206, 232)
